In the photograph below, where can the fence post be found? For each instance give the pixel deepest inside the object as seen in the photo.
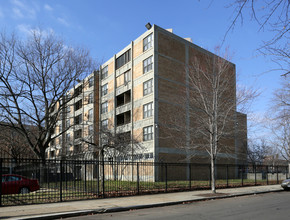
(209, 175)
(255, 169)
(242, 175)
(85, 176)
(60, 184)
(267, 171)
(103, 177)
(138, 178)
(1, 162)
(189, 166)
(165, 177)
(227, 173)
(98, 177)
(277, 174)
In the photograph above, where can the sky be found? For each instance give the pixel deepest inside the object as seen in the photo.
(107, 26)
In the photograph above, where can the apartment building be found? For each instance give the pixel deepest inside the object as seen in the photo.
(136, 92)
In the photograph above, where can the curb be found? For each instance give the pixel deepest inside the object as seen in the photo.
(127, 208)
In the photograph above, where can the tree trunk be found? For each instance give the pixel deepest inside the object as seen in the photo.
(213, 175)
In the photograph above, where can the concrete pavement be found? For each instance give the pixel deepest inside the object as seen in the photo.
(84, 207)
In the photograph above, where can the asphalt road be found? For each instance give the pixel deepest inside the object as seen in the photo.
(263, 206)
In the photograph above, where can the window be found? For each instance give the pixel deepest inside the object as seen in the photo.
(127, 77)
(104, 124)
(148, 133)
(90, 130)
(78, 134)
(123, 59)
(78, 105)
(147, 64)
(147, 42)
(90, 115)
(67, 109)
(90, 98)
(78, 91)
(77, 148)
(148, 110)
(104, 108)
(67, 123)
(105, 89)
(91, 82)
(60, 128)
(104, 72)
(78, 119)
(148, 87)
(67, 138)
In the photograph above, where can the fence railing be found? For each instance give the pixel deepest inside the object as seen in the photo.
(65, 180)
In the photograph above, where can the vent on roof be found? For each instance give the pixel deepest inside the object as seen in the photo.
(188, 39)
(170, 30)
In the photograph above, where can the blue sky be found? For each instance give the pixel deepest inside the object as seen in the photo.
(105, 27)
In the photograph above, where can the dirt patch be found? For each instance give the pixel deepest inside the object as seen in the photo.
(213, 194)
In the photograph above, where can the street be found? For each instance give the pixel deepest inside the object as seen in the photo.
(262, 206)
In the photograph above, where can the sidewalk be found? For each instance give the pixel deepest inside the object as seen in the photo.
(76, 208)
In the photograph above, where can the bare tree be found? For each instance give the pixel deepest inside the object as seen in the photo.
(280, 120)
(257, 152)
(271, 16)
(35, 77)
(205, 120)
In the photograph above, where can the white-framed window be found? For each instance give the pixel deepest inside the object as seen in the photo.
(148, 110)
(148, 87)
(127, 76)
(104, 124)
(91, 82)
(147, 64)
(105, 89)
(148, 42)
(104, 107)
(104, 72)
(90, 115)
(90, 98)
(148, 133)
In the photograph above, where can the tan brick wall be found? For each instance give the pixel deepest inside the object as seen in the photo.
(110, 105)
(138, 92)
(120, 80)
(138, 113)
(111, 86)
(171, 47)
(110, 68)
(138, 134)
(137, 70)
(138, 49)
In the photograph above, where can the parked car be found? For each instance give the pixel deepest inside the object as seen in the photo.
(13, 184)
(286, 184)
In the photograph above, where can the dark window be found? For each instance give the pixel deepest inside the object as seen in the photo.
(104, 124)
(90, 98)
(78, 134)
(105, 89)
(123, 59)
(104, 72)
(104, 107)
(124, 118)
(124, 98)
(78, 119)
(78, 91)
(78, 105)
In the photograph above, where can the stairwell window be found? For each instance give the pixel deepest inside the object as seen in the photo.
(147, 64)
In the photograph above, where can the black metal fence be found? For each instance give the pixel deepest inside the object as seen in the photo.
(65, 180)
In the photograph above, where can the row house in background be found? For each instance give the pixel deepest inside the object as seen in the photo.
(132, 93)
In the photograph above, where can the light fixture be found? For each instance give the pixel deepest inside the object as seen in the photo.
(148, 25)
